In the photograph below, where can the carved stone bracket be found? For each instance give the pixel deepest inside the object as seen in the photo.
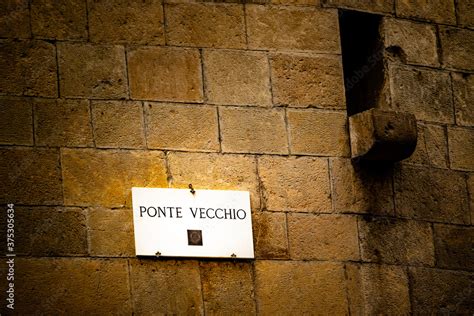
(382, 135)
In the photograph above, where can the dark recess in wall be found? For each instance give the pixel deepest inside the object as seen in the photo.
(362, 57)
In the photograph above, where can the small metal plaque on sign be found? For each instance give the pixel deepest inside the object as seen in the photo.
(196, 223)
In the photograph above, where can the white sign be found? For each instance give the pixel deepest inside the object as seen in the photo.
(179, 223)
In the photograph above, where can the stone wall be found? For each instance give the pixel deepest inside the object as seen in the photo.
(99, 96)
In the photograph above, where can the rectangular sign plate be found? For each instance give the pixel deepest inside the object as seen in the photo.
(178, 223)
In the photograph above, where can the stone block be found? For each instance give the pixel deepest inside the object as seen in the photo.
(93, 71)
(53, 231)
(105, 178)
(63, 123)
(182, 127)
(377, 289)
(118, 124)
(171, 287)
(30, 176)
(431, 194)
(220, 172)
(319, 133)
(253, 130)
(15, 19)
(165, 73)
(386, 240)
(382, 6)
(461, 148)
(463, 88)
(378, 135)
(126, 21)
(465, 11)
(237, 77)
(59, 19)
(71, 286)
(443, 292)
(432, 147)
(416, 40)
(457, 46)
(300, 287)
(303, 80)
(292, 28)
(470, 186)
(205, 25)
(17, 115)
(294, 2)
(453, 246)
(323, 237)
(110, 232)
(361, 187)
(425, 93)
(270, 235)
(295, 184)
(228, 288)
(439, 11)
(28, 68)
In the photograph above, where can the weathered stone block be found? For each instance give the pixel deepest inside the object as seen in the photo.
(432, 147)
(425, 93)
(465, 11)
(295, 184)
(30, 176)
(110, 232)
(396, 241)
(28, 68)
(81, 286)
(292, 28)
(361, 188)
(221, 172)
(382, 135)
(105, 178)
(470, 187)
(270, 236)
(463, 88)
(118, 124)
(59, 19)
(453, 246)
(294, 2)
(205, 25)
(439, 11)
(237, 78)
(461, 148)
(168, 74)
(50, 231)
(417, 41)
(303, 81)
(377, 289)
(458, 47)
(63, 123)
(171, 287)
(182, 127)
(253, 130)
(384, 6)
(441, 292)
(323, 237)
(299, 287)
(92, 71)
(431, 194)
(228, 288)
(17, 116)
(14, 19)
(126, 21)
(318, 132)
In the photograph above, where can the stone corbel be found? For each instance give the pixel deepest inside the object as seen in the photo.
(381, 135)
